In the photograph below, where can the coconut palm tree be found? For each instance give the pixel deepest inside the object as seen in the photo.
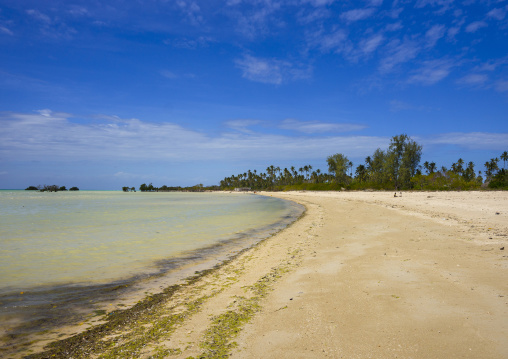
(504, 157)
(432, 167)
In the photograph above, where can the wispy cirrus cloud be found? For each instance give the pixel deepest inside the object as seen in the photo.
(271, 71)
(310, 127)
(471, 140)
(497, 13)
(191, 10)
(357, 14)
(4, 30)
(39, 16)
(318, 3)
(441, 5)
(435, 33)
(398, 53)
(255, 18)
(431, 72)
(372, 43)
(397, 106)
(474, 79)
(242, 125)
(475, 26)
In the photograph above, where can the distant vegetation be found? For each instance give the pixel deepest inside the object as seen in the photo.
(398, 167)
(395, 168)
(50, 188)
(150, 188)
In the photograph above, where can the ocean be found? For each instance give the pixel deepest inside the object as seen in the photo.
(71, 250)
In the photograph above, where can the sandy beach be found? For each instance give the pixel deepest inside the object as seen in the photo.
(360, 275)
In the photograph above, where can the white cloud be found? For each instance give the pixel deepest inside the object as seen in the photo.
(335, 41)
(498, 14)
(257, 19)
(168, 74)
(78, 11)
(314, 15)
(473, 80)
(39, 16)
(319, 127)
(357, 14)
(443, 5)
(475, 26)
(397, 106)
(371, 44)
(191, 10)
(398, 53)
(434, 34)
(318, 3)
(452, 32)
(393, 27)
(471, 140)
(27, 137)
(271, 71)
(4, 30)
(242, 125)
(431, 72)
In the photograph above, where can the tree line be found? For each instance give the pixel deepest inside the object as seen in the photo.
(151, 188)
(395, 168)
(50, 188)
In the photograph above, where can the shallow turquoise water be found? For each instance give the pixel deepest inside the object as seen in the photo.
(91, 237)
(65, 254)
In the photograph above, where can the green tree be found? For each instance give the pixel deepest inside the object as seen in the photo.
(338, 164)
(403, 158)
(361, 173)
(376, 167)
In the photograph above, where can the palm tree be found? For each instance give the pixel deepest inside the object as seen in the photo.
(432, 167)
(504, 157)
(426, 166)
(458, 167)
(491, 167)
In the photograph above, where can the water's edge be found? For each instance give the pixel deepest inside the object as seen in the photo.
(73, 303)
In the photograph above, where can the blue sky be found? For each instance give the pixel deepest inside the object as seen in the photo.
(104, 94)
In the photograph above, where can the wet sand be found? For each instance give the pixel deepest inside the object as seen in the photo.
(360, 275)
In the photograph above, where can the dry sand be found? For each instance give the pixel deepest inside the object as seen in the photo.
(361, 275)
(417, 276)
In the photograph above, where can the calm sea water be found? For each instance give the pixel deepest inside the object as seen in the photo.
(51, 242)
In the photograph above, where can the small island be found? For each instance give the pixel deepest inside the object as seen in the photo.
(50, 188)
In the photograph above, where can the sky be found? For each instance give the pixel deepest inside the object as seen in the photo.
(111, 93)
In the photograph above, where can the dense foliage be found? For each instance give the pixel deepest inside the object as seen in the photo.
(397, 167)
